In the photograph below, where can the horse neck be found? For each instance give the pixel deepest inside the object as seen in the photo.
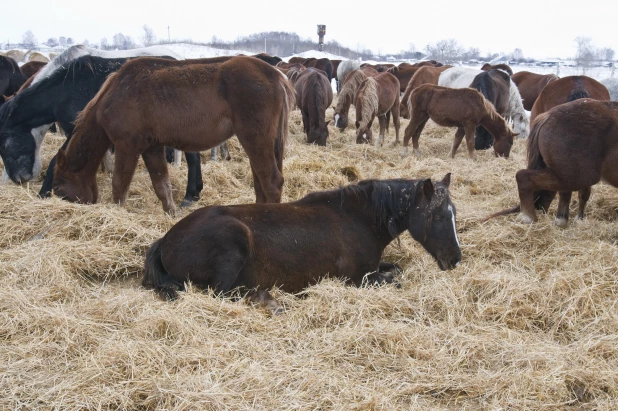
(345, 99)
(28, 109)
(87, 146)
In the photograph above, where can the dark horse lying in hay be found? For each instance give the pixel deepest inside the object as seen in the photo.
(494, 85)
(212, 101)
(285, 245)
(568, 89)
(313, 96)
(377, 96)
(464, 108)
(348, 92)
(571, 148)
(11, 77)
(530, 85)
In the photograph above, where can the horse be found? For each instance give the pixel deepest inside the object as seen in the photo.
(571, 148)
(612, 87)
(32, 67)
(494, 85)
(376, 96)
(504, 67)
(272, 60)
(568, 89)
(56, 94)
(11, 77)
(296, 59)
(459, 77)
(345, 68)
(140, 107)
(260, 246)
(464, 108)
(530, 85)
(335, 64)
(314, 95)
(294, 71)
(426, 74)
(380, 67)
(346, 97)
(322, 64)
(403, 74)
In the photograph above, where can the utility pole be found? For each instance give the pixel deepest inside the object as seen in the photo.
(264, 44)
(168, 34)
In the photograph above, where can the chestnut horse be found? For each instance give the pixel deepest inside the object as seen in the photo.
(191, 105)
(568, 89)
(530, 85)
(346, 97)
(572, 147)
(377, 96)
(504, 67)
(267, 245)
(32, 67)
(313, 96)
(464, 108)
(426, 74)
(322, 64)
(403, 74)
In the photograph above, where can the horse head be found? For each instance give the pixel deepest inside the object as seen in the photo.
(318, 135)
(71, 186)
(432, 222)
(19, 151)
(502, 145)
(521, 125)
(341, 119)
(364, 135)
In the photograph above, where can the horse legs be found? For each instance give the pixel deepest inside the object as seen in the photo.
(395, 112)
(305, 121)
(530, 182)
(382, 121)
(583, 196)
(459, 135)
(562, 214)
(195, 183)
(48, 181)
(470, 134)
(124, 167)
(154, 158)
(262, 298)
(414, 130)
(225, 152)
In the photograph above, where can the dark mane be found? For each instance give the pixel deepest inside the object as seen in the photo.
(9, 62)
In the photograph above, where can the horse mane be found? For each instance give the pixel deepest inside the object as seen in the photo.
(579, 91)
(368, 95)
(515, 105)
(535, 159)
(60, 60)
(350, 87)
(313, 82)
(503, 67)
(8, 61)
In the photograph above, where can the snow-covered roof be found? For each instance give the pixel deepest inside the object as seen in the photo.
(315, 54)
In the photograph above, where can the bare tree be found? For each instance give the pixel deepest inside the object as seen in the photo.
(28, 39)
(86, 43)
(585, 52)
(445, 51)
(149, 37)
(52, 42)
(104, 44)
(62, 40)
(517, 55)
(606, 54)
(69, 41)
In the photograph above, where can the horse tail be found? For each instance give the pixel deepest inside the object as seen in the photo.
(535, 159)
(155, 275)
(508, 211)
(289, 94)
(368, 96)
(578, 92)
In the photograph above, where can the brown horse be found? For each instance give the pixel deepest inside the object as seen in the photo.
(322, 64)
(191, 105)
(427, 74)
(530, 85)
(313, 96)
(32, 67)
(380, 68)
(567, 89)
(376, 96)
(404, 75)
(464, 108)
(571, 148)
(502, 66)
(293, 71)
(345, 98)
(285, 245)
(282, 65)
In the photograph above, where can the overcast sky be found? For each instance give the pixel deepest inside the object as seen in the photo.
(540, 28)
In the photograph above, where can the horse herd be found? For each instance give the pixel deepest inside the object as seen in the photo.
(141, 101)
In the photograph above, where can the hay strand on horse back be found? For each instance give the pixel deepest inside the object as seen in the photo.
(526, 321)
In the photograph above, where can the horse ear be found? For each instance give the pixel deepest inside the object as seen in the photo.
(447, 180)
(327, 123)
(424, 191)
(61, 159)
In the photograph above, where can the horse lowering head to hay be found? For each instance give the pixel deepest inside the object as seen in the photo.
(313, 96)
(346, 97)
(530, 85)
(426, 74)
(504, 67)
(11, 77)
(463, 108)
(376, 96)
(571, 148)
(568, 89)
(345, 68)
(494, 85)
(285, 245)
(189, 105)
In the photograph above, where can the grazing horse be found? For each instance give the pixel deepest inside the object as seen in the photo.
(57, 93)
(568, 89)
(460, 77)
(313, 96)
(463, 108)
(260, 246)
(502, 66)
(322, 64)
(426, 74)
(345, 68)
(530, 85)
(572, 147)
(140, 108)
(403, 74)
(32, 67)
(11, 77)
(376, 96)
(494, 86)
(612, 87)
(347, 94)
(272, 60)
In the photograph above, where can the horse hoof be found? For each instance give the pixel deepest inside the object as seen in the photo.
(417, 153)
(561, 222)
(524, 219)
(187, 203)
(45, 195)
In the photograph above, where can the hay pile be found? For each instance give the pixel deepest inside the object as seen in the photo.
(528, 320)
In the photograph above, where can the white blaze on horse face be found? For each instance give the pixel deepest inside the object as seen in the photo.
(454, 227)
(38, 134)
(336, 120)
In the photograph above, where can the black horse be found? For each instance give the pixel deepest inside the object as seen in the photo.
(494, 86)
(286, 245)
(59, 97)
(11, 77)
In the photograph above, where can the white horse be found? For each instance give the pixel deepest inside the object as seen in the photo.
(612, 87)
(461, 77)
(345, 68)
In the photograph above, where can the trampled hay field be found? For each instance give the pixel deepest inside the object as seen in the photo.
(528, 320)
